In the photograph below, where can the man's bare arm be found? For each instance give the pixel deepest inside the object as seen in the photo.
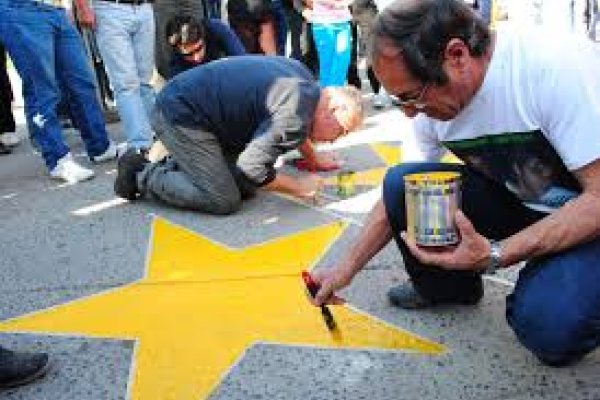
(373, 237)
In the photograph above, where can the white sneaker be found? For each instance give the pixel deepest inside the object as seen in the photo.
(109, 154)
(121, 149)
(69, 171)
(10, 139)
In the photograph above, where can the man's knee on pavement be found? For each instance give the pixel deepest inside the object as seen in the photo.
(226, 204)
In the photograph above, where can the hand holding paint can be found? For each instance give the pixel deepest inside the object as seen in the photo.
(432, 199)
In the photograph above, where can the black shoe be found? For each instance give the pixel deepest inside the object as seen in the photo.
(18, 369)
(4, 149)
(128, 166)
(405, 296)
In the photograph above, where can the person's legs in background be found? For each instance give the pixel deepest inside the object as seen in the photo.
(125, 36)
(353, 75)
(333, 43)
(281, 28)
(30, 37)
(7, 121)
(77, 80)
(294, 23)
(364, 14)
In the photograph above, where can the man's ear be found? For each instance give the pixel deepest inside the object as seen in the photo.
(456, 52)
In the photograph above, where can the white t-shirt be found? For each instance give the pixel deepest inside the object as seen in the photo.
(535, 118)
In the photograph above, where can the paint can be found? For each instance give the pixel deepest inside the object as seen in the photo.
(432, 199)
(345, 183)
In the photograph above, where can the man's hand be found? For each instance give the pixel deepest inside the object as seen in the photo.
(86, 16)
(472, 253)
(309, 187)
(330, 281)
(307, 14)
(324, 161)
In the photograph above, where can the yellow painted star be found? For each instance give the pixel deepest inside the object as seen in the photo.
(201, 305)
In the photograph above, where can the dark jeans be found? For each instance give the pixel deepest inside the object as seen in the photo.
(7, 121)
(302, 44)
(555, 307)
(281, 28)
(198, 176)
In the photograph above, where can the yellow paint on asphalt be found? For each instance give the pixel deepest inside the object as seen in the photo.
(201, 305)
(389, 154)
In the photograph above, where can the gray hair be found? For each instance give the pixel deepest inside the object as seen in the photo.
(421, 29)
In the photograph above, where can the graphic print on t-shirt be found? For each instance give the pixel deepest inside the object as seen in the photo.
(525, 163)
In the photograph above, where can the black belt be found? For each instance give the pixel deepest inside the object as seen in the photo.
(132, 2)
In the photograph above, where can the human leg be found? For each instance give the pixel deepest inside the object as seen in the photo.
(143, 48)
(28, 33)
(197, 177)
(324, 37)
(281, 27)
(123, 35)
(7, 121)
(353, 75)
(333, 48)
(295, 25)
(555, 307)
(77, 79)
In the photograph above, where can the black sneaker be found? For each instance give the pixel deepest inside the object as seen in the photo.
(18, 369)
(405, 296)
(128, 165)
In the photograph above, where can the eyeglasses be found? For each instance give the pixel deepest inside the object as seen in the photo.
(411, 100)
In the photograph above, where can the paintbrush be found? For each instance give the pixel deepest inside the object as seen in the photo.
(313, 289)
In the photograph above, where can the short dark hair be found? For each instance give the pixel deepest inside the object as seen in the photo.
(421, 29)
(184, 30)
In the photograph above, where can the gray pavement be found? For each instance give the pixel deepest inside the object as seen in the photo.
(55, 250)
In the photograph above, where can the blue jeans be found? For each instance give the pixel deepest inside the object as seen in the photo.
(333, 43)
(555, 307)
(280, 26)
(125, 35)
(48, 53)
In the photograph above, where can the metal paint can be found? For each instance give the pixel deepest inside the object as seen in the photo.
(432, 199)
(345, 183)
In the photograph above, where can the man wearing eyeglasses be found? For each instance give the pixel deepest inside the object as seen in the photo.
(226, 122)
(525, 125)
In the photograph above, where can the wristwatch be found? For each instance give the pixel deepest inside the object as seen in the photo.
(495, 258)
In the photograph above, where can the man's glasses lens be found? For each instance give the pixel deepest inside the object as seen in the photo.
(411, 99)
